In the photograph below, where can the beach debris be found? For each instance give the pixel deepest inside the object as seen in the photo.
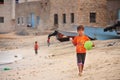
(5, 69)
(53, 55)
(19, 77)
(15, 56)
(111, 44)
(50, 63)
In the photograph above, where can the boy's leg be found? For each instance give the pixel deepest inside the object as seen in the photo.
(83, 59)
(80, 69)
(79, 62)
(48, 44)
(36, 52)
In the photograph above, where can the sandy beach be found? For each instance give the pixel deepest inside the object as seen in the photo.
(58, 62)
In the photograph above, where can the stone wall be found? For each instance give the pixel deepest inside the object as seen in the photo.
(61, 7)
(24, 10)
(22, 1)
(6, 11)
(113, 6)
(106, 13)
(80, 8)
(92, 6)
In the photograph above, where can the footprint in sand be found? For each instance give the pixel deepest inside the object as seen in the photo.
(19, 77)
(17, 73)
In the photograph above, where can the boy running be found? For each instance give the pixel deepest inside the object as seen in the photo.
(79, 41)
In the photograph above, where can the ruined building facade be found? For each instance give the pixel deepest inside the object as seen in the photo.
(7, 15)
(52, 14)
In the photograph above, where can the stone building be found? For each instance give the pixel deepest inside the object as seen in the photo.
(7, 15)
(46, 14)
(34, 14)
(53, 14)
(63, 13)
(96, 13)
(113, 11)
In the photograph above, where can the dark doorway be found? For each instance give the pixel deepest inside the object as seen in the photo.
(72, 17)
(1, 19)
(17, 1)
(64, 18)
(56, 20)
(119, 14)
(92, 17)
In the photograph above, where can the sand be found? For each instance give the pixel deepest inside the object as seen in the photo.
(58, 62)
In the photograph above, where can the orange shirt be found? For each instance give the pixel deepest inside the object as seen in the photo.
(79, 41)
(36, 46)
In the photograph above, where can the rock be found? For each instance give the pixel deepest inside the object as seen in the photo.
(53, 55)
(15, 56)
(17, 73)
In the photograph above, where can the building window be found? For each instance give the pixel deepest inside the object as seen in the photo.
(72, 17)
(92, 17)
(119, 14)
(64, 18)
(55, 19)
(17, 1)
(38, 20)
(1, 1)
(18, 20)
(1, 19)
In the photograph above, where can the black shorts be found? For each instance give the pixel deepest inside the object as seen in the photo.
(36, 51)
(81, 58)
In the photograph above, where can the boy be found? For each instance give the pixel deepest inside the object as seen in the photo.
(48, 41)
(79, 41)
(36, 47)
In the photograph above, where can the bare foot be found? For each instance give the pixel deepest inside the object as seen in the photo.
(80, 74)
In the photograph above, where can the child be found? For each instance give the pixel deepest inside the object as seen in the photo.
(36, 47)
(79, 41)
(48, 41)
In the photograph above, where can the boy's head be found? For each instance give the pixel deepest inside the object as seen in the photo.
(80, 29)
(35, 42)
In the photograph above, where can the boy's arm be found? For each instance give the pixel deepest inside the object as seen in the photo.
(93, 45)
(74, 41)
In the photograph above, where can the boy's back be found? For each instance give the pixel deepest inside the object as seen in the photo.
(79, 41)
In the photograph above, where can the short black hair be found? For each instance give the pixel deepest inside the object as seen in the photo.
(80, 27)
